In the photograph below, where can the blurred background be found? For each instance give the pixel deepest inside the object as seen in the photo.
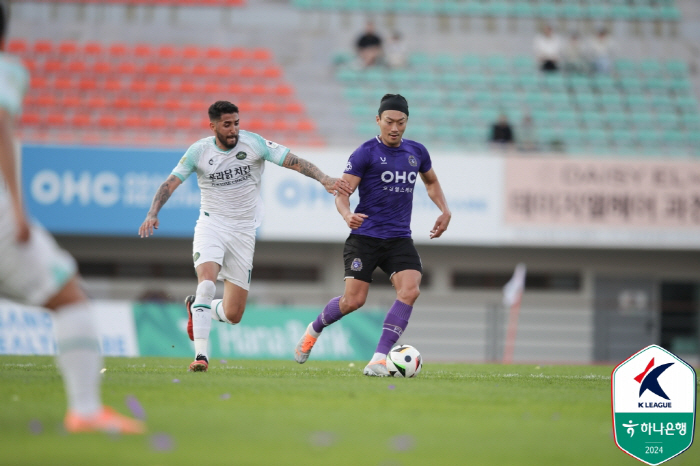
(565, 133)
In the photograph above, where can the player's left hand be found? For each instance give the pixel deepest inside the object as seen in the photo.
(337, 186)
(440, 225)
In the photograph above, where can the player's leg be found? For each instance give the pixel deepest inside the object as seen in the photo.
(353, 298)
(80, 361)
(200, 313)
(360, 258)
(40, 273)
(405, 270)
(236, 271)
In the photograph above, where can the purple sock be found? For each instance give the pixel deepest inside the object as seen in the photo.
(330, 314)
(394, 325)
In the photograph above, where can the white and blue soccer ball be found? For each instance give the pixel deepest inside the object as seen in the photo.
(404, 361)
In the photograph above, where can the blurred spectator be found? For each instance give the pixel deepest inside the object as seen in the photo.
(369, 46)
(527, 141)
(575, 57)
(602, 49)
(548, 48)
(395, 52)
(502, 132)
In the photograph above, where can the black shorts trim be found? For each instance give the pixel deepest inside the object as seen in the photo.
(363, 254)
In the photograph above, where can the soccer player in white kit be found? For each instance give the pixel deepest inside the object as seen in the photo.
(35, 271)
(229, 167)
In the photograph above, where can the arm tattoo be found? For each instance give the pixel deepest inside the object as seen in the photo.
(304, 167)
(161, 197)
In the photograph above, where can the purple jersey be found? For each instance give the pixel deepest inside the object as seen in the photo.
(388, 175)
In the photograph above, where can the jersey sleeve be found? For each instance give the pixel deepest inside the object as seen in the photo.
(14, 80)
(270, 151)
(188, 163)
(425, 163)
(357, 163)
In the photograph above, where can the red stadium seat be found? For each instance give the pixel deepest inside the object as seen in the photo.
(68, 47)
(153, 68)
(261, 54)
(214, 53)
(92, 48)
(138, 85)
(118, 50)
(81, 120)
(43, 47)
(223, 71)
(259, 89)
(46, 100)
(187, 87)
(70, 101)
(283, 90)
(76, 67)
(147, 104)
(53, 66)
(272, 72)
(191, 52)
(237, 54)
(113, 85)
(305, 126)
(101, 67)
(133, 120)
(87, 84)
(162, 86)
(17, 46)
(121, 103)
(248, 72)
(126, 68)
(30, 119)
(175, 69)
(166, 52)
(294, 108)
(38, 82)
(142, 50)
(269, 106)
(156, 122)
(183, 122)
(56, 119)
(213, 87)
(107, 121)
(63, 84)
(96, 102)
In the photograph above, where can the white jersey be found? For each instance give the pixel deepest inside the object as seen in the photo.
(230, 180)
(14, 81)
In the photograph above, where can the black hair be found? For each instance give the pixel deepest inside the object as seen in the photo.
(393, 102)
(4, 18)
(221, 107)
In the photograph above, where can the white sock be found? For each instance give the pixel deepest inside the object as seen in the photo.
(217, 312)
(377, 357)
(79, 357)
(201, 316)
(312, 332)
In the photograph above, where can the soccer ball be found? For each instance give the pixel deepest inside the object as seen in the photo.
(404, 361)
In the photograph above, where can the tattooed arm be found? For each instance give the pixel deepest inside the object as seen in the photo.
(332, 185)
(162, 195)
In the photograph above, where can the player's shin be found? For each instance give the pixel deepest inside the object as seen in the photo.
(79, 357)
(201, 316)
(331, 313)
(395, 323)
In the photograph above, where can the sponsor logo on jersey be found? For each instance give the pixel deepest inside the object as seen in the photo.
(182, 160)
(356, 264)
(271, 145)
(399, 177)
(241, 155)
(348, 167)
(383, 159)
(230, 176)
(211, 161)
(412, 161)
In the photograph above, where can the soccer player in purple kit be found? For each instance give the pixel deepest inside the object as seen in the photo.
(385, 170)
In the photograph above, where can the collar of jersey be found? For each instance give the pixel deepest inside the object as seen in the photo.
(389, 147)
(225, 151)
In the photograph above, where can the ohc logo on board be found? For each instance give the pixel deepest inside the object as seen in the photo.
(653, 404)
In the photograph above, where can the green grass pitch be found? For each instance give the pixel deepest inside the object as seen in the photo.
(321, 413)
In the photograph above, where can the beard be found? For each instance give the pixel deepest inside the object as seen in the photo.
(224, 142)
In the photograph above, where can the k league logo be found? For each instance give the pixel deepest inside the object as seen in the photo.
(653, 404)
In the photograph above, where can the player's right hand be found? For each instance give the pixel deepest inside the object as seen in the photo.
(355, 220)
(22, 230)
(147, 226)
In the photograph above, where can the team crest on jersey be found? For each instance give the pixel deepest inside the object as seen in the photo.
(241, 155)
(348, 167)
(196, 256)
(356, 264)
(182, 160)
(271, 145)
(412, 161)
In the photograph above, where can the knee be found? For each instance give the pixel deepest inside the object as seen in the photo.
(352, 303)
(234, 313)
(408, 295)
(206, 289)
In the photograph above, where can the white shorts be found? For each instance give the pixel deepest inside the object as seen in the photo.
(215, 241)
(34, 272)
